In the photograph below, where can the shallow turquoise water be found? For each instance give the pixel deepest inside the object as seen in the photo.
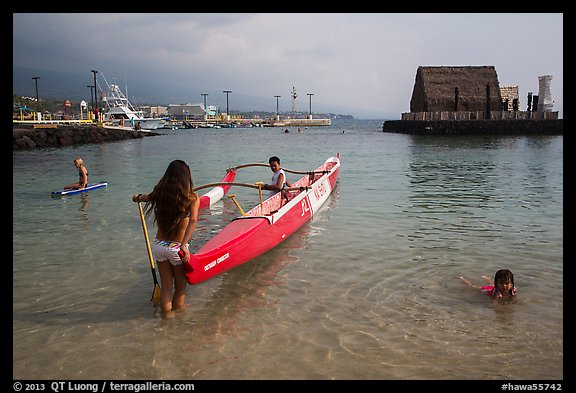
(368, 289)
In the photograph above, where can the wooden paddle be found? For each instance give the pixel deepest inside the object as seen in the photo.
(156, 294)
(233, 197)
(260, 184)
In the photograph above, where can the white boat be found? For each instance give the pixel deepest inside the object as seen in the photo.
(117, 107)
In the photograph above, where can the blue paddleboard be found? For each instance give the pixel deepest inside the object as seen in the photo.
(89, 187)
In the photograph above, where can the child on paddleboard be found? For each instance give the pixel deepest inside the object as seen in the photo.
(502, 287)
(278, 178)
(175, 206)
(83, 176)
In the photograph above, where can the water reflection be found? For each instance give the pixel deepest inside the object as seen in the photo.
(243, 287)
(84, 202)
(462, 141)
(504, 312)
(452, 182)
(210, 330)
(216, 323)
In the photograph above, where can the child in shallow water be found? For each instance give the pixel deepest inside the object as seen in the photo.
(83, 176)
(502, 287)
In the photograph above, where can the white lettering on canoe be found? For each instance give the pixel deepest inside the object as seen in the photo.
(216, 261)
(223, 258)
(305, 206)
(320, 190)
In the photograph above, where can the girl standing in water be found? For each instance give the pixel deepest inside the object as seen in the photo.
(175, 206)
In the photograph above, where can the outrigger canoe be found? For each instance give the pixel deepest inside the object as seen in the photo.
(265, 226)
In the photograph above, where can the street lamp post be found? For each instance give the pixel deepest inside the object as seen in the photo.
(205, 109)
(91, 96)
(277, 114)
(227, 110)
(37, 98)
(310, 95)
(95, 91)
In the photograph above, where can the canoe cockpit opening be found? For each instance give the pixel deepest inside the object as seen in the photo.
(277, 201)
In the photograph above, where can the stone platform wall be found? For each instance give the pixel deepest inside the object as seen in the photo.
(463, 127)
(31, 138)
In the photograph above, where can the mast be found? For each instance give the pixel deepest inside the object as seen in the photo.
(126, 86)
(293, 100)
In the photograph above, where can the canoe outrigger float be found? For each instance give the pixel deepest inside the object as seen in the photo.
(264, 226)
(219, 190)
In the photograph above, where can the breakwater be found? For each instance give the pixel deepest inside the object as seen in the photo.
(467, 127)
(24, 137)
(300, 122)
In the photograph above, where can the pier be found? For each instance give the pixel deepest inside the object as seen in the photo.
(251, 122)
(300, 122)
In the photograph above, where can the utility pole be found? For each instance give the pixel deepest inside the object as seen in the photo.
(205, 109)
(310, 95)
(95, 91)
(227, 113)
(277, 114)
(91, 97)
(37, 98)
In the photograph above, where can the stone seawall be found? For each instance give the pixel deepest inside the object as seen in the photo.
(482, 127)
(62, 135)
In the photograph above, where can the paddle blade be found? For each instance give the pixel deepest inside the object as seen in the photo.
(156, 295)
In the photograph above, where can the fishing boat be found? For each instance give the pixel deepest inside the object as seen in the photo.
(119, 111)
(264, 226)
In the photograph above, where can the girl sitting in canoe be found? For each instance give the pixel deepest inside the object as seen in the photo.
(175, 206)
(83, 176)
(502, 287)
(278, 178)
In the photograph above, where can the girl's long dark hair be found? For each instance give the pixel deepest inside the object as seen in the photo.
(171, 198)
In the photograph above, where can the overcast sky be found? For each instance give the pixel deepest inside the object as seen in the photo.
(361, 63)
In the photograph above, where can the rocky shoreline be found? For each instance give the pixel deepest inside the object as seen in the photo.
(27, 137)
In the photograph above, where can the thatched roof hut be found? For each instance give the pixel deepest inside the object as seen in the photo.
(460, 88)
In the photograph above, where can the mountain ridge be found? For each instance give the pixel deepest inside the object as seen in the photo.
(74, 86)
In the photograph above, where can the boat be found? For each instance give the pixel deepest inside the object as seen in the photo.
(170, 124)
(266, 225)
(89, 187)
(118, 109)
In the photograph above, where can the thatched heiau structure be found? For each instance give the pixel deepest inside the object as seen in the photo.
(459, 88)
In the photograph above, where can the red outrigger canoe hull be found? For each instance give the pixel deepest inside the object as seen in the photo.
(250, 236)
